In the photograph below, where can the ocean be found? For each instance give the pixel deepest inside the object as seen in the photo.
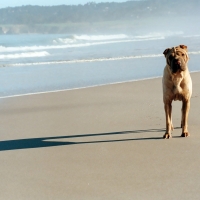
(46, 63)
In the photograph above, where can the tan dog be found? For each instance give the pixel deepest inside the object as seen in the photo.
(177, 85)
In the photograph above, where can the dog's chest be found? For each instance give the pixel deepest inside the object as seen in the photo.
(177, 90)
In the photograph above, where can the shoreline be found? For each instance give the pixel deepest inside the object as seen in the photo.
(80, 88)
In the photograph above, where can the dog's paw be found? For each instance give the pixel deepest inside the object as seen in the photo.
(186, 134)
(167, 136)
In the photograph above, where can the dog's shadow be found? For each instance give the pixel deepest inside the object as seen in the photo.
(42, 142)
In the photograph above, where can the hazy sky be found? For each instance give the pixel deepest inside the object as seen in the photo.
(13, 3)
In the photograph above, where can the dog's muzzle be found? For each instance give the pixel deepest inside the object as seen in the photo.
(177, 64)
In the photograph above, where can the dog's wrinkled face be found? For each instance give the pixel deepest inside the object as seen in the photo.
(177, 58)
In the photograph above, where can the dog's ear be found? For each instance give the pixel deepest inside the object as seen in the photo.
(166, 51)
(183, 47)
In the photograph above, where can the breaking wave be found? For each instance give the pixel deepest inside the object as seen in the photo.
(24, 55)
(75, 41)
(35, 48)
(89, 38)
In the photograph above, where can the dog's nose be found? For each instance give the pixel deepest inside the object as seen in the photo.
(178, 62)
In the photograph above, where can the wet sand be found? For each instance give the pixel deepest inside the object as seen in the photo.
(98, 143)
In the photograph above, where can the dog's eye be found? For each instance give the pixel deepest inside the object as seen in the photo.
(170, 57)
(183, 54)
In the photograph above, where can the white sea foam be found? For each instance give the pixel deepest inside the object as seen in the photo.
(89, 38)
(24, 55)
(155, 35)
(89, 60)
(97, 59)
(194, 52)
(189, 36)
(35, 48)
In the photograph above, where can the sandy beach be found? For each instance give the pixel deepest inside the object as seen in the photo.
(98, 143)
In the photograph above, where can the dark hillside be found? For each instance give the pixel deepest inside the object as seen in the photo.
(30, 18)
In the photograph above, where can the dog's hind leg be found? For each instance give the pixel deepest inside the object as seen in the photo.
(182, 117)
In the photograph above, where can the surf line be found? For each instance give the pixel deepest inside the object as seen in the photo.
(77, 88)
(88, 60)
(94, 60)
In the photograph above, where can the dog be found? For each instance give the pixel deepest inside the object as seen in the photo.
(177, 85)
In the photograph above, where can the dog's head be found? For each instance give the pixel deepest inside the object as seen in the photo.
(177, 58)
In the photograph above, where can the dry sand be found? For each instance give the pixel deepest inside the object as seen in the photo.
(98, 143)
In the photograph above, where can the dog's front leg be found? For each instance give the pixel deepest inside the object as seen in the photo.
(184, 122)
(169, 126)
